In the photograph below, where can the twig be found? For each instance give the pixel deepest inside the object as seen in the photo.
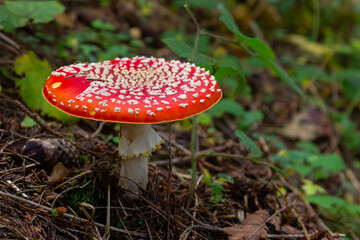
(244, 158)
(169, 186)
(193, 158)
(23, 157)
(67, 215)
(58, 228)
(182, 236)
(267, 220)
(107, 226)
(36, 118)
(334, 235)
(198, 30)
(69, 180)
(147, 226)
(98, 130)
(57, 197)
(66, 190)
(193, 132)
(17, 168)
(229, 40)
(17, 189)
(177, 145)
(122, 207)
(10, 41)
(204, 225)
(302, 226)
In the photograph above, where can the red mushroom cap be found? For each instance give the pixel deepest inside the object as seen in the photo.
(132, 90)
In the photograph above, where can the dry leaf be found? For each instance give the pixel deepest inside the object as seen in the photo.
(251, 224)
(290, 230)
(58, 173)
(307, 125)
(61, 210)
(66, 19)
(276, 221)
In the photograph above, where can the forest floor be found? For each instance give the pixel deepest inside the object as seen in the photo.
(236, 196)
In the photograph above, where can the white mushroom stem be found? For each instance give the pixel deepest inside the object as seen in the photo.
(134, 173)
(136, 143)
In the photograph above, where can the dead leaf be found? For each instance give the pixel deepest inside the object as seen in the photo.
(58, 173)
(290, 230)
(66, 19)
(61, 210)
(251, 224)
(307, 125)
(276, 221)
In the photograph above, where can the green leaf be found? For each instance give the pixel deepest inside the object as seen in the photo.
(234, 63)
(250, 117)
(226, 105)
(54, 212)
(204, 119)
(9, 20)
(227, 177)
(309, 147)
(333, 203)
(325, 165)
(283, 75)
(263, 51)
(101, 25)
(207, 177)
(217, 188)
(0, 87)
(115, 140)
(182, 49)
(311, 188)
(254, 43)
(35, 73)
(28, 122)
(250, 145)
(38, 11)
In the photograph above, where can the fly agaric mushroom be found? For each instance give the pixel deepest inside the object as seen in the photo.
(136, 92)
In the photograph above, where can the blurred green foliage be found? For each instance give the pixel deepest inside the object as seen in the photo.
(14, 14)
(35, 72)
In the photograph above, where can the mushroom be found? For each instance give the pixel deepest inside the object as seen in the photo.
(136, 92)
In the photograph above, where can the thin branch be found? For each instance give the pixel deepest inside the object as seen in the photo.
(36, 118)
(207, 226)
(198, 30)
(334, 235)
(67, 215)
(229, 40)
(244, 158)
(169, 186)
(267, 220)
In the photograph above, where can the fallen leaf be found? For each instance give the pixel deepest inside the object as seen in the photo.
(58, 173)
(276, 221)
(61, 210)
(307, 125)
(66, 19)
(290, 230)
(251, 224)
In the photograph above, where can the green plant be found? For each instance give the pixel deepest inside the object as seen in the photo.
(14, 14)
(34, 73)
(97, 43)
(216, 185)
(307, 163)
(253, 46)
